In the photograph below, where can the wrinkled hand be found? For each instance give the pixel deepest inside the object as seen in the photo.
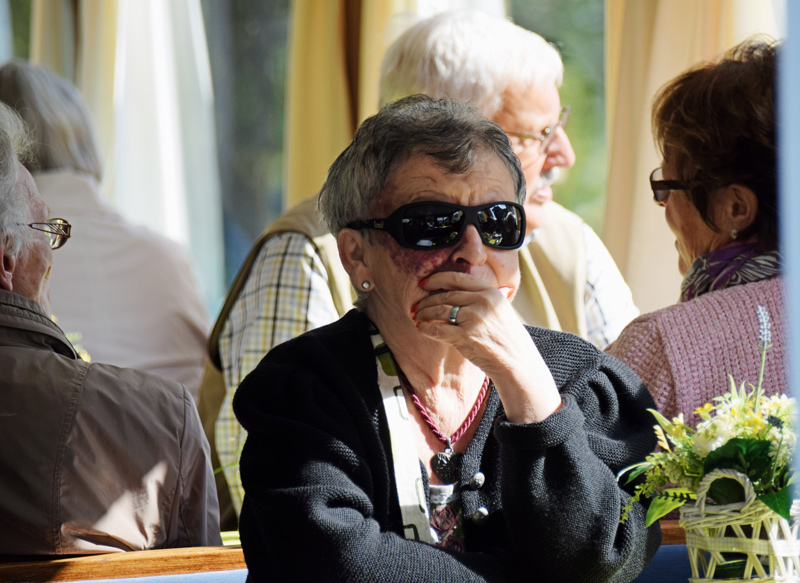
(489, 334)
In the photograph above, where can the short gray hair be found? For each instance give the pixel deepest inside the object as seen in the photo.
(470, 56)
(15, 209)
(56, 113)
(451, 132)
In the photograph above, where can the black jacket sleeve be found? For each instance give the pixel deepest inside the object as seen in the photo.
(560, 474)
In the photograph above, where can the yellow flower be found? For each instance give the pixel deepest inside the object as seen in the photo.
(704, 411)
(662, 439)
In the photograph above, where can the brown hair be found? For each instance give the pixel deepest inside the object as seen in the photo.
(716, 125)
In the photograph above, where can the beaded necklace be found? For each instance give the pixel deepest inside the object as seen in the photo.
(446, 464)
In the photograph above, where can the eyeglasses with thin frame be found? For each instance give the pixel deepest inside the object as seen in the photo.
(58, 231)
(433, 225)
(661, 188)
(521, 142)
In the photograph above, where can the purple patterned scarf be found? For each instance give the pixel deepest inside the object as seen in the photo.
(734, 264)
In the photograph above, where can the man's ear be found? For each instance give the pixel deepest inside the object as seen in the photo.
(351, 251)
(7, 266)
(738, 207)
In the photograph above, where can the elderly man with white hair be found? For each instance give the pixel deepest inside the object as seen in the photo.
(293, 280)
(93, 458)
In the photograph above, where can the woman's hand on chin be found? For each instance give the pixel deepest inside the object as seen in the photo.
(489, 333)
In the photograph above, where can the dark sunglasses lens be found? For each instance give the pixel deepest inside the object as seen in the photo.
(428, 226)
(501, 226)
(661, 194)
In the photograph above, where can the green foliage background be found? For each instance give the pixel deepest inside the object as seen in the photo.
(575, 27)
(21, 26)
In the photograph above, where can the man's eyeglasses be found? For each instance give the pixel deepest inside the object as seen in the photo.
(433, 225)
(520, 142)
(58, 231)
(662, 188)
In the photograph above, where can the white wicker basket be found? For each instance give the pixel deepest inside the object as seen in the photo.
(769, 542)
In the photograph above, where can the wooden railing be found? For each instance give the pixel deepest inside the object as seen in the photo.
(120, 565)
(169, 562)
(671, 533)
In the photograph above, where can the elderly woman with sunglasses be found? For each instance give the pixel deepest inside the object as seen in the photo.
(428, 435)
(715, 126)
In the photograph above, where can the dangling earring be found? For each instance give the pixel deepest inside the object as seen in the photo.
(734, 234)
(365, 285)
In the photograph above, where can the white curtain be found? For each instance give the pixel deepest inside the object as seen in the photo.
(142, 66)
(165, 167)
(648, 42)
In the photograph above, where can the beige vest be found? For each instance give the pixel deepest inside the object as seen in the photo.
(553, 274)
(302, 218)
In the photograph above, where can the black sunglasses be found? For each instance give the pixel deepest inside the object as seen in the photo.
(432, 225)
(662, 188)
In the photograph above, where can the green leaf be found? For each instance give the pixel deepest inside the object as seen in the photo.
(666, 502)
(749, 456)
(661, 507)
(733, 569)
(635, 470)
(780, 501)
(726, 491)
(663, 421)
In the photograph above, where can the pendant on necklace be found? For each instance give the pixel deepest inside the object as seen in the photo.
(447, 464)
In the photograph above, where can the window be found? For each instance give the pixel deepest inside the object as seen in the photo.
(575, 27)
(247, 43)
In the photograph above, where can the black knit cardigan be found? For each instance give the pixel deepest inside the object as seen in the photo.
(321, 502)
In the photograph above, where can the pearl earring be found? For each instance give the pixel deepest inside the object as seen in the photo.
(734, 233)
(365, 285)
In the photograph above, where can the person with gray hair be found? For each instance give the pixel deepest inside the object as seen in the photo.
(429, 435)
(129, 293)
(94, 458)
(15, 147)
(570, 281)
(292, 281)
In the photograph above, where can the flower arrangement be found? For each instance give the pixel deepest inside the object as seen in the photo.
(74, 339)
(744, 431)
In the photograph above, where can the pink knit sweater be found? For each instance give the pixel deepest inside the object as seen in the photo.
(684, 353)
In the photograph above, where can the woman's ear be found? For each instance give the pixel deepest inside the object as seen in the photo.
(738, 207)
(351, 251)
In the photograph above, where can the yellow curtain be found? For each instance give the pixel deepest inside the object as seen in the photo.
(78, 39)
(648, 42)
(335, 51)
(54, 35)
(95, 72)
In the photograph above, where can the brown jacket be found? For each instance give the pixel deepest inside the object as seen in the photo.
(94, 458)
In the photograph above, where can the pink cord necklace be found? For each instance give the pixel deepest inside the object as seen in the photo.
(446, 464)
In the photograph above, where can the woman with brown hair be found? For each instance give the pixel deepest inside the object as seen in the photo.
(715, 126)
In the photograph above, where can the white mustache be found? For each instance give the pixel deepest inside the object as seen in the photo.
(548, 177)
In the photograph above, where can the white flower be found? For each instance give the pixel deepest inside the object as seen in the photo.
(764, 327)
(711, 435)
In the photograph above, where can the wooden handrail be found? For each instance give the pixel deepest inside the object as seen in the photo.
(671, 533)
(170, 562)
(120, 565)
